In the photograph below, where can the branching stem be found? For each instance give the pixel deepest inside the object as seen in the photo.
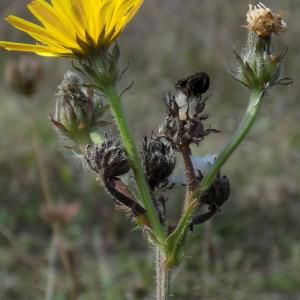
(237, 138)
(174, 241)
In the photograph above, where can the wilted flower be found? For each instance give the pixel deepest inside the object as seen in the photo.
(108, 159)
(158, 160)
(23, 75)
(259, 67)
(79, 110)
(263, 21)
(184, 122)
(194, 85)
(73, 28)
(214, 198)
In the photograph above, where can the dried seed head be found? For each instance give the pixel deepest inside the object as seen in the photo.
(259, 66)
(184, 122)
(218, 192)
(158, 160)
(108, 159)
(214, 197)
(23, 75)
(194, 85)
(78, 109)
(263, 21)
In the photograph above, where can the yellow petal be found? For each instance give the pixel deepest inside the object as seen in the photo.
(134, 9)
(45, 50)
(64, 22)
(64, 8)
(45, 13)
(37, 32)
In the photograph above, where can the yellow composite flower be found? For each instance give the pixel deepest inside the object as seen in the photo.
(72, 27)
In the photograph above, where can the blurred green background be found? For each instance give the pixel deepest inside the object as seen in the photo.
(250, 251)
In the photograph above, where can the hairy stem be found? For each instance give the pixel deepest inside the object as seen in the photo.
(162, 276)
(132, 152)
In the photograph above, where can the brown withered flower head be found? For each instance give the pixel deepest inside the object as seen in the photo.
(184, 122)
(194, 85)
(263, 21)
(214, 198)
(259, 64)
(23, 75)
(158, 160)
(108, 159)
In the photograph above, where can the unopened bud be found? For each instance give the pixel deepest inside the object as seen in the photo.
(79, 110)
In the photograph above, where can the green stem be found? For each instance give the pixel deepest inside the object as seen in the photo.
(174, 241)
(129, 144)
(237, 138)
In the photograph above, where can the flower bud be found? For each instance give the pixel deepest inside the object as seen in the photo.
(158, 160)
(78, 109)
(259, 67)
(23, 75)
(108, 159)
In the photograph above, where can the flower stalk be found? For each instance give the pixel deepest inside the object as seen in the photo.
(130, 146)
(237, 138)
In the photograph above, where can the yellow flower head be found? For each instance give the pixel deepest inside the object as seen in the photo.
(73, 27)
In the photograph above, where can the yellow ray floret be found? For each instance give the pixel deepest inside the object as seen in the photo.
(72, 27)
